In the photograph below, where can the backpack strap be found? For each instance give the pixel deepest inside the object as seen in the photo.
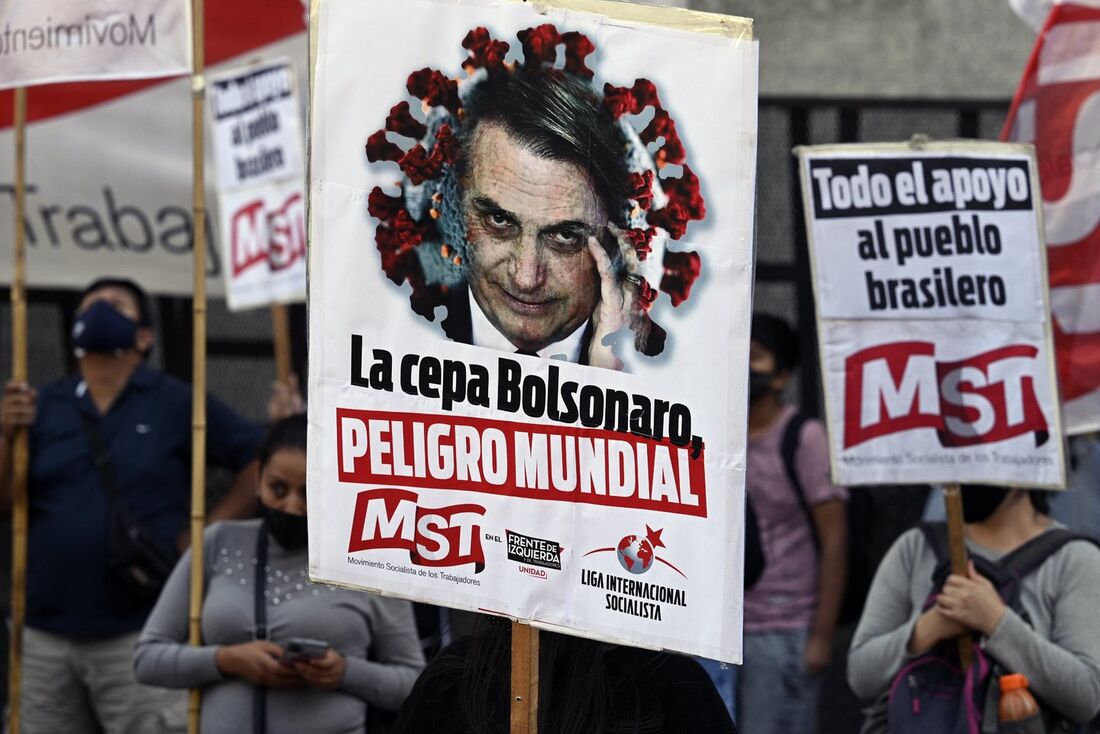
(935, 534)
(1034, 553)
(1020, 562)
(787, 449)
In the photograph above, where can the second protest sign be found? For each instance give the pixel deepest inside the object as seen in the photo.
(930, 280)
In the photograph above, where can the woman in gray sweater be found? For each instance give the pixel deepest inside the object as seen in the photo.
(373, 656)
(1057, 647)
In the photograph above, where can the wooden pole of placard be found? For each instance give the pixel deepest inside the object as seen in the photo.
(20, 447)
(956, 540)
(198, 368)
(280, 326)
(525, 679)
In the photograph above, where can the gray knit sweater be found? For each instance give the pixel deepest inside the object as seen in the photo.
(1059, 652)
(357, 624)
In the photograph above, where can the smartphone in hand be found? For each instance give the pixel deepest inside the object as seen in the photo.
(300, 649)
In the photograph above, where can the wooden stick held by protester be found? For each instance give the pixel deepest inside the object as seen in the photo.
(198, 384)
(952, 497)
(280, 329)
(525, 679)
(21, 447)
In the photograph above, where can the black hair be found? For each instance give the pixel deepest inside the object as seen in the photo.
(1040, 500)
(583, 689)
(288, 433)
(556, 116)
(779, 338)
(145, 311)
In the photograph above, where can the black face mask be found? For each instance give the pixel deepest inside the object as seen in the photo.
(760, 384)
(289, 531)
(980, 504)
(103, 329)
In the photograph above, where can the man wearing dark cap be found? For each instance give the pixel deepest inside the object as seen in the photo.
(792, 610)
(114, 435)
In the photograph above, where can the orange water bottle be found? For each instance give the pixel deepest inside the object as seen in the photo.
(1018, 712)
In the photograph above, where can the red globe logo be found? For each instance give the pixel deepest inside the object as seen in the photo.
(635, 554)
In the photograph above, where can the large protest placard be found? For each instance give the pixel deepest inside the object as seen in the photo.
(530, 292)
(47, 41)
(257, 140)
(108, 163)
(933, 321)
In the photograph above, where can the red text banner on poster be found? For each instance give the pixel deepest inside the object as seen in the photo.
(900, 386)
(525, 460)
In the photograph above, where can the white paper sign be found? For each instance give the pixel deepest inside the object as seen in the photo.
(264, 228)
(257, 135)
(257, 140)
(601, 502)
(929, 275)
(46, 41)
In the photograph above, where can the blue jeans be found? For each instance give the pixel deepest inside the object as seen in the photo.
(725, 681)
(776, 694)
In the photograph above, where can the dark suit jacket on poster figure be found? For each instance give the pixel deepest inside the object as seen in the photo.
(458, 325)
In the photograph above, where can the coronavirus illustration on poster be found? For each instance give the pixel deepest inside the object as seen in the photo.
(484, 159)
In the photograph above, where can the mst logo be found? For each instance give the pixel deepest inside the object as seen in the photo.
(276, 237)
(900, 387)
(440, 536)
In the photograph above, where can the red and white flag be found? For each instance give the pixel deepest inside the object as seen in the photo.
(1057, 106)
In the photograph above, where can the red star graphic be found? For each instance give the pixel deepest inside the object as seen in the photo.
(654, 537)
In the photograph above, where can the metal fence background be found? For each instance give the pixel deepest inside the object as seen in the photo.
(241, 366)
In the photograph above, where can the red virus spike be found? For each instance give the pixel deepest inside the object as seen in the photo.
(673, 218)
(399, 234)
(641, 188)
(654, 344)
(381, 205)
(685, 191)
(662, 125)
(681, 270)
(540, 45)
(648, 294)
(640, 239)
(475, 42)
(577, 48)
(619, 100)
(402, 122)
(671, 152)
(485, 51)
(425, 298)
(434, 89)
(446, 145)
(381, 149)
(395, 264)
(419, 166)
(645, 92)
